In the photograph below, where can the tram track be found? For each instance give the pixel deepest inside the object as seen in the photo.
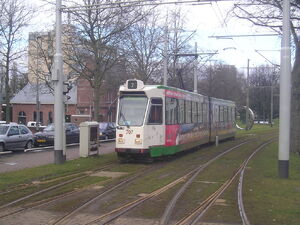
(63, 219)
(49, 189)
(109, 217)
(65, 195)
(114, 214)
(194, 217)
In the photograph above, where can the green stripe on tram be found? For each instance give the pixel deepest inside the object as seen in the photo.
(158, 151)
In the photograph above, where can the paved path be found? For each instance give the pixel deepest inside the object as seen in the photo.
(21, 160)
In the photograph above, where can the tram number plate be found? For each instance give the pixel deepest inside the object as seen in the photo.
(129, 131)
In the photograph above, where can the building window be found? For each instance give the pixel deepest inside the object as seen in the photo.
(22, 117)
(50, 118)
(41, 117)
(35, 116)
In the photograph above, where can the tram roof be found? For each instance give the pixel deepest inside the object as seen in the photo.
(151, 87)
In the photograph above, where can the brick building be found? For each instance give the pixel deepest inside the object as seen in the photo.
(78, 108)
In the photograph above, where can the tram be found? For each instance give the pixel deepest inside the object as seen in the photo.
(157, 120)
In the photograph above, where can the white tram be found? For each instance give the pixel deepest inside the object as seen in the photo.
(156, 120)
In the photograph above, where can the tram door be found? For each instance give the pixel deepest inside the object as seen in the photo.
(154, 129)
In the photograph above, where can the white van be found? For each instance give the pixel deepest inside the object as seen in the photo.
(33, 124)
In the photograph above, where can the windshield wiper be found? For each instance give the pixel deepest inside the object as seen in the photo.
(123, 117)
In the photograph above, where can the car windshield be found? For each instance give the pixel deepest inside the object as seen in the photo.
(50, 127)
(132, 110)
(3, 129)
(103, 126)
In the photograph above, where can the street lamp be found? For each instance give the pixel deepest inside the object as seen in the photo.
(37, 85)
(57, 78)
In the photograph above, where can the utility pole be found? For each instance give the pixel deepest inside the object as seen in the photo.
(37, 85)
(247, 97)
(195, 70)
(57, 78)
(285, 95)
(272, 99)
(166, 54)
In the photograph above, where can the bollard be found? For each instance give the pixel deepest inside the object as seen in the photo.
(217, 140)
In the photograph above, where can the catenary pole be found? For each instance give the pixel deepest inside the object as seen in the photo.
(195, 70)
(166, 53)
(37, 125)
(57, 78)
(247, 96)
(285, 95)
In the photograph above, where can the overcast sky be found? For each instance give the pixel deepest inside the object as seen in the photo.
(208, 20)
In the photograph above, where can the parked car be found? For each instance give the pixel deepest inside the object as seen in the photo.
(46, 137)
(33, 124)
(107, 130)
(15, 136)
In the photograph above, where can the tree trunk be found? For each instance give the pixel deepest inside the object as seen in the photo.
(295, 105)
(97, 103)
(7, 91)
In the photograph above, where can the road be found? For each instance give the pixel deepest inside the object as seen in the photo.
(21, 160)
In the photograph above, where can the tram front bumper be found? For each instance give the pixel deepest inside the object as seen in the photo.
(132, 151)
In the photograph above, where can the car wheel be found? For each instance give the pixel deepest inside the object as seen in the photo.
(2, 147)
(29, 145)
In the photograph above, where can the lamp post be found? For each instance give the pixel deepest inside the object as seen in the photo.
(247, 96)
(285, 95)
(57, 78)
(37, 85)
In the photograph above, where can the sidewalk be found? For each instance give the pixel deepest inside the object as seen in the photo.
(22, 160)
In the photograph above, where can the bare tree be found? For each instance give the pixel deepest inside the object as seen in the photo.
(40, 51)
(179, 68)
(223, 81)
(15, 16)
(268, 14)
(142, 47)
(261, 80)
(95, 39)
(18, 79)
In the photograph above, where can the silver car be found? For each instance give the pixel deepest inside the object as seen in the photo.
(15, 136)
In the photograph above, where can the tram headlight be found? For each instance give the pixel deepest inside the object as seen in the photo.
(121, 140)
(138, 141)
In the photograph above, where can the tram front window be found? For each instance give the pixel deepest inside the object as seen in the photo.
(132, 110)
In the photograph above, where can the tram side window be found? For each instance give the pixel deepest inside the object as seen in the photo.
(155, 115)
(221, 114)
(227, 113)
(188, 111)
(171, 111)
(194, 112)
(200, 112)
(181, 111)
(205, 113)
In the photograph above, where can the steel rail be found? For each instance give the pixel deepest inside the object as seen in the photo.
(93, 199)
(48, 189)
(114, 214)
(243, 214)
(169, 209)
(194, 217)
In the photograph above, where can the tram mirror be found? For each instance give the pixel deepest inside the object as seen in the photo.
(242, 122)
